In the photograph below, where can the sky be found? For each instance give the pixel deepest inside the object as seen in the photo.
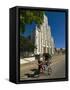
(56, 20)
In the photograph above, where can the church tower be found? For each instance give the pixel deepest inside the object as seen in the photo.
(43, 38)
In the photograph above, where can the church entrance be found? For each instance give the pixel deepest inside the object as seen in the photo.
(44, 49)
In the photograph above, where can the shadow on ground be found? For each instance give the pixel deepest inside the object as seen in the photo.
(35, 73)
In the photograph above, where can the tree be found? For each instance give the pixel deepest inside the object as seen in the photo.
(31, 46)
(28, 16)
(23, 42)
(26, 44)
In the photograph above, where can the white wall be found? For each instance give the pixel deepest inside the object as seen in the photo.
(4, 44)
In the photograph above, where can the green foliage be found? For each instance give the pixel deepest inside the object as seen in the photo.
(30, 46)
(28, 16)
(26, 44)
(22, 41)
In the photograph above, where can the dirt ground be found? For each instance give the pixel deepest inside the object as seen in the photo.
(27, 70)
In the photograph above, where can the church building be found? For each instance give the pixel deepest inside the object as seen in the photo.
(43, 39)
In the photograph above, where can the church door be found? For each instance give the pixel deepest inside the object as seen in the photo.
(44, 49)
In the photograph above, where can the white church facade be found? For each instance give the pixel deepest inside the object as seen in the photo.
(43, 39)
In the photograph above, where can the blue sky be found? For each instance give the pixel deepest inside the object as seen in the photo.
(56, 21)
